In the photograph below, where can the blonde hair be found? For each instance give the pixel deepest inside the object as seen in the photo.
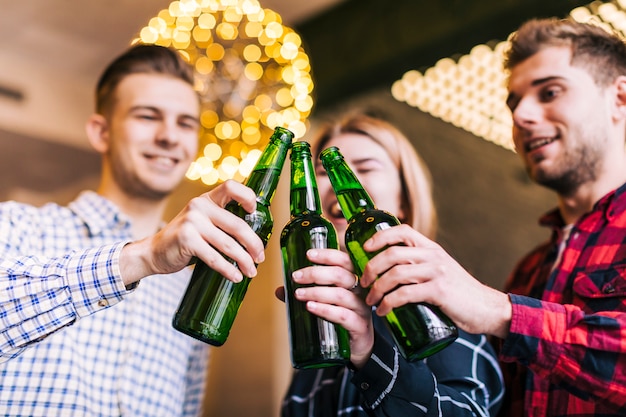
(415, 178)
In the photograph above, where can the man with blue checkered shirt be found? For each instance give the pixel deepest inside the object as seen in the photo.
(87, 291)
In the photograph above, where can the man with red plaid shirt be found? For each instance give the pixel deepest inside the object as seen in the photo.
(563, 319)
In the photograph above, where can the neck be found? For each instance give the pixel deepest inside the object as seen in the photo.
(146, 215)
(582, 200)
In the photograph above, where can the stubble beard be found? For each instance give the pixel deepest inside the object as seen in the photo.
(578, 166)
(131, 183)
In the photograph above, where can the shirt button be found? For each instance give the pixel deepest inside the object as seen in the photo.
(608, 289)
(365, 386)
(103, 302)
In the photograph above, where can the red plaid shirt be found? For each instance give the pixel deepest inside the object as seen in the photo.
(569, 323)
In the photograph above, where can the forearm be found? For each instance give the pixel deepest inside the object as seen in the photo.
(134, 264)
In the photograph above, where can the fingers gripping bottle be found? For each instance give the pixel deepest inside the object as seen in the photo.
(315, 342)
(419, 330)
(211, 302)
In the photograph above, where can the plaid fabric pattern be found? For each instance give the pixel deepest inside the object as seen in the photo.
(61, 353)
(569, 319)
(464, 379)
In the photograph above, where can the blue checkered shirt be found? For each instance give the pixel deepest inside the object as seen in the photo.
(73, 340)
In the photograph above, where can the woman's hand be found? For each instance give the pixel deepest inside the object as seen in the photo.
(336, 298)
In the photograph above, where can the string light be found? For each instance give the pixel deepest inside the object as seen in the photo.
(252, 74)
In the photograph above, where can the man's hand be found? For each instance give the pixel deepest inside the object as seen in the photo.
(203, 229)
(419, 270)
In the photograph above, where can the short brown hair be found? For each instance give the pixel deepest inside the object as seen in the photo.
(140, 59)
(601, 53)
(416, 195)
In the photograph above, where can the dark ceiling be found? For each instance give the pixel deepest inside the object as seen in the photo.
(361, 44)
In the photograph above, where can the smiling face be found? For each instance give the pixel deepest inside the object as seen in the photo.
(561, 120)
(151, 135)
(375, 171)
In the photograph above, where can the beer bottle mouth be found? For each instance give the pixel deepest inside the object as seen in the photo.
(285, 135)
(330, 155)
(300, 147)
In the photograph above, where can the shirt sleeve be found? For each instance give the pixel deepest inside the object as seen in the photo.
(464, 379)
(584, 353)
(41, 296)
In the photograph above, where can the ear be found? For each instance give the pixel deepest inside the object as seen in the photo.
(97, 128)
(620, 97)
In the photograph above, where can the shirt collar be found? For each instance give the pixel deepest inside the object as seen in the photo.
(98, 213)
(611, 205)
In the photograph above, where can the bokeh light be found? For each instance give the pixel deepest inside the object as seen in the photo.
(252, 74)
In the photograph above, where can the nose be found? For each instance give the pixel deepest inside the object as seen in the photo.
(526, 113)
(167, 134)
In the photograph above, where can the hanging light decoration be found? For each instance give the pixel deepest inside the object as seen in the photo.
(252, 74)
(471, 92)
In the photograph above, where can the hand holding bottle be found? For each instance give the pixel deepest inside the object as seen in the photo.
(315, 342)
(203, 229)
(333, 298)
(211, 302)
(419, 330)
(421, 271)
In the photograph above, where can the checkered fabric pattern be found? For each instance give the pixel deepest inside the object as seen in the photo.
(73, 340)
(463, 379)
(569, 319)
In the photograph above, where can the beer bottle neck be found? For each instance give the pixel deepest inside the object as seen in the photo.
(304, 196)
(354, 201)
(266, 173)
(351, 195)
(264, 183)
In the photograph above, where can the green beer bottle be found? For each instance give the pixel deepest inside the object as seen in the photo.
(419, 329)
(315, 342)
(211, 302)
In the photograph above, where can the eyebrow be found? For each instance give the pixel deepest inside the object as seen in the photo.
(157, 110)
(512, 98)
(366, 160)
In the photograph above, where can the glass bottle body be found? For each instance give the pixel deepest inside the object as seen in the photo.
(211, 302)
(210, 305)
(418, 329)
(315, 342)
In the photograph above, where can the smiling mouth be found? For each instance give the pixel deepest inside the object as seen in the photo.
(163, 160)
(538, 143)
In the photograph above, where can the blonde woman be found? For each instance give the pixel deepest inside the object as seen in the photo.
(463, 379)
